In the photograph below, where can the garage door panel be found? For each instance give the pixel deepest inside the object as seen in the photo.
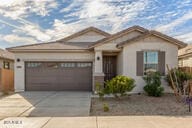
(54, 76)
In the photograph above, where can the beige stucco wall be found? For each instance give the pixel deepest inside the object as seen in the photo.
(120, 63)
(20, 66)
(87, 37)
(151, 43)
(111, 45)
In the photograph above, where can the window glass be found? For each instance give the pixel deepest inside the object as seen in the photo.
(33, 65)
(67, 65)
(82, 65)
(6, 65)
(150, 61)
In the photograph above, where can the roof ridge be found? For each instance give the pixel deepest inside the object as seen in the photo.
(65, 38)
(132, 28)
(153, 32)
(85, 31)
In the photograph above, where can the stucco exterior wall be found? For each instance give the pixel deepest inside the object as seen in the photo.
(111, 45)
(87, 37)
(20, 66)
(151, 43)
(120, 63)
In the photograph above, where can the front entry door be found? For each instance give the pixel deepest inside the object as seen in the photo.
(109, 67)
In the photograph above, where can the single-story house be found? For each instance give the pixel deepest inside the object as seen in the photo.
(6, 60)
(185, 56)
(92, 56)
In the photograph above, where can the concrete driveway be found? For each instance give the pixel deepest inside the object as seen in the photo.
(45, 104)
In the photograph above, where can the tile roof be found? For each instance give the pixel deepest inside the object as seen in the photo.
(6, 55)
(62, 44)
(185, 51)
(155, 33)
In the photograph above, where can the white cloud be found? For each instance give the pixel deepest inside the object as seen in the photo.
(175, 23)
(35, 32)
(98, 13)
(18, 39)
(187, 37)
(29, 29)
(95, 8)
(22, 8)
(9, 3)
(102, 13)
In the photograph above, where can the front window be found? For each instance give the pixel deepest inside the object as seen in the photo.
(150, 61)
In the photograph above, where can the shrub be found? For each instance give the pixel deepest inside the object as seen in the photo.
(119, 85)
(181, 77)
(99, 90)
(153, 84)
(105, 107)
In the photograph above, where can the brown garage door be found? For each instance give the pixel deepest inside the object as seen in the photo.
(58, 76)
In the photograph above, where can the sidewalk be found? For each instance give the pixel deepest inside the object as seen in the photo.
(98, 122)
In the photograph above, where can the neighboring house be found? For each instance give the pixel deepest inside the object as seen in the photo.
(185, 56)
(6, 71)
(6, 60)
(92, 56)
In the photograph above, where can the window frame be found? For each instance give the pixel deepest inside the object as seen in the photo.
(33, 64)
(84, 64)
(68, 65)
(146, 51)
(4, 64)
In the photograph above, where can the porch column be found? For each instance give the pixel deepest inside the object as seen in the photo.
(98, 73)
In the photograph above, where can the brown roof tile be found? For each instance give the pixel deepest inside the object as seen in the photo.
(185, 51)
(6, 55)
(152, 32)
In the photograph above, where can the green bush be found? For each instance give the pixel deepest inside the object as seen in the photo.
(181, 77)
(105, 107)
(153, 84)
(99, 90)
(119, 85)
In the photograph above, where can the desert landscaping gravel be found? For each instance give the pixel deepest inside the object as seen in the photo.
(140, 105)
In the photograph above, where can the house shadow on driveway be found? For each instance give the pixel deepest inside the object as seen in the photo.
(46, 104)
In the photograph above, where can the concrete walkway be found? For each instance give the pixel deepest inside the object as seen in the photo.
(45, 104)
(98, 122)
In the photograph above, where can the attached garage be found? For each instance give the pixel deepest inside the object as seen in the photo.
(58, 76)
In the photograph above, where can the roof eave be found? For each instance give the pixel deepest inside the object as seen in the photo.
(180, 44)
(185, 55)
(10, 59)
(47, 50)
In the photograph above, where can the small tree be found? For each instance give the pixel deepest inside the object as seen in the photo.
(153, 84)
(119, 85)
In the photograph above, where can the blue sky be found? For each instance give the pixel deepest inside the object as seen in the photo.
(35, 21)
